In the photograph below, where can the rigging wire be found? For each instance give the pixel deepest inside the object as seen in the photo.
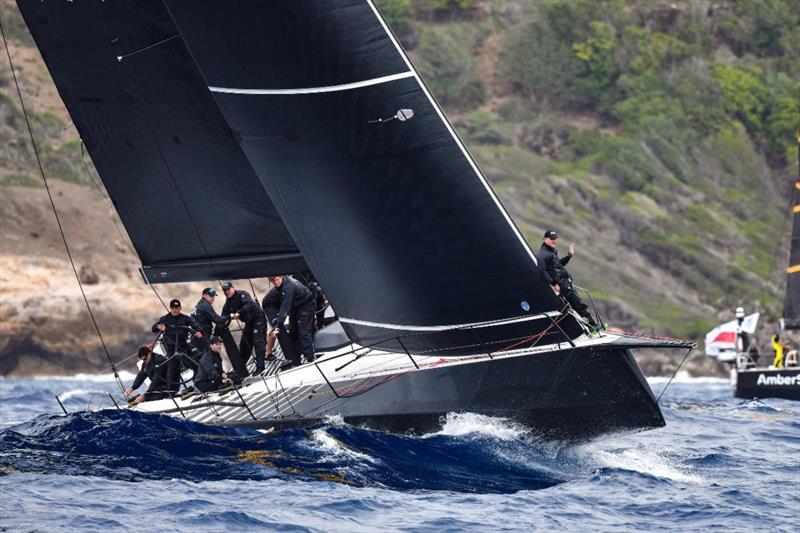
(55, 211)
(673, 375)
(252, 288)
(155, 292)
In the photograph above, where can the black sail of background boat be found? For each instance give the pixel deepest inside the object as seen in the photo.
(245, 139)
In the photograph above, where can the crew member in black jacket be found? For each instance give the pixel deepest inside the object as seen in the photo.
(239, 304)
(297, 303)
(271, 304)
(176, 328)
(554, 273)
(206, 317)
(153, 368)
(209, 369)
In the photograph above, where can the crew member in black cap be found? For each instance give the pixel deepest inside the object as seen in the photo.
(206, 318)
(239, 304)
(176, 328)
(554, 273)
(209, 369)
(297, 303)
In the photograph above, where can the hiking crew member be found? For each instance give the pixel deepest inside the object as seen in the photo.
(297, 303)
(154, 369)
(176, 328)
(209, 369)
(271, 304)
(206, 318)
(239, 304)
(554, 273)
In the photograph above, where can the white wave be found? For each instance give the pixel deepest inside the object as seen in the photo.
(64, 396)
(460, 424)
(334, 448)
(333, 420)
(645, 459)
(90, 378)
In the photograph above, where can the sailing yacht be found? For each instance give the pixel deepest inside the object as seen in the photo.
(750, 380)
(728, 342)
(245, 139)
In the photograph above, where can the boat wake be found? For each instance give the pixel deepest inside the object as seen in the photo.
(471, 453)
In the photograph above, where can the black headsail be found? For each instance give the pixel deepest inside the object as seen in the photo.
(791, 309)
(184, 190)
(381, 197)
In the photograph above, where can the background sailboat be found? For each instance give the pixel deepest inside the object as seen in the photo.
(726, 343)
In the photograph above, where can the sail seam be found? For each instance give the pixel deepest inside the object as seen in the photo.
(449, 327)
(455, 137)
(315, 90)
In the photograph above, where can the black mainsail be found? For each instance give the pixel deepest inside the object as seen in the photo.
(383, 200)
(188, 198)
(791, 308)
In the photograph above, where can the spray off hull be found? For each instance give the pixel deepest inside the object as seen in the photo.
(571, 394)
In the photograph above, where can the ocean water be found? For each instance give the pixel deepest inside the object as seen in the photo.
(719, 464)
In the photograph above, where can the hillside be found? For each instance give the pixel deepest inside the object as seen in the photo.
(656, 135)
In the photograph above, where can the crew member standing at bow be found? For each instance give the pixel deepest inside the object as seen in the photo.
(554, 273)
(239, 304)
(297, 303)
(176, 328)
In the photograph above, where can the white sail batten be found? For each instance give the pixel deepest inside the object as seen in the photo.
(315, 90)
(452, 326)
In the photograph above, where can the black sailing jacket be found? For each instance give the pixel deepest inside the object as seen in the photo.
(293, 295)
(241, 302)
(272, 303)
(156, 374)
(206, 317)
(176, 331)
(209, 372)
(552, 268)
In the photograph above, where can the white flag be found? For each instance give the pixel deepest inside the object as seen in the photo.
(723, 338)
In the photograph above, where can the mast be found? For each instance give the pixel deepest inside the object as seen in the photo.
(791, 308)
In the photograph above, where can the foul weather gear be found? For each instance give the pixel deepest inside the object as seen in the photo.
(271, 304)
(176, 343)
(206, 317)
(156, 372)
(254, 334)
(209, 372)
(297, 303)
(778, 347)
(553, 271)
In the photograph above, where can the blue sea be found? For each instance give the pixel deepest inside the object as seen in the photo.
(719, 464)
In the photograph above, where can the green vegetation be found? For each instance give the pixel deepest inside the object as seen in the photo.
(657, 134)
